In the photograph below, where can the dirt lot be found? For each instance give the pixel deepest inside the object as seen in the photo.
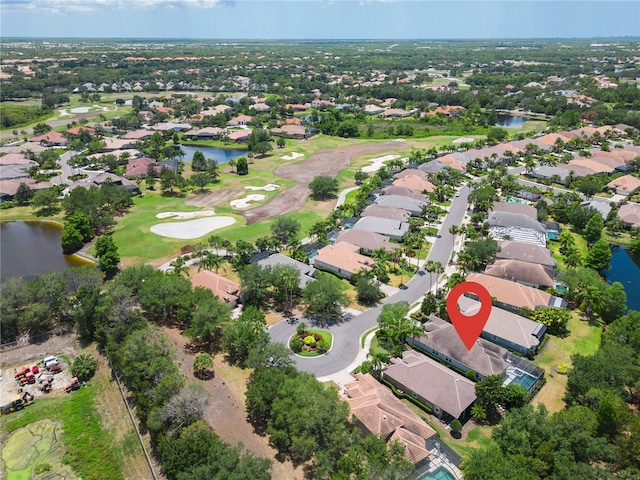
(31, 355)
(216, 197)
(226, 412)
(327, 162)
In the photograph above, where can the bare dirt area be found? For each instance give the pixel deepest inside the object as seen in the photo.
(327, 162)
(226, 412)
(214, 198)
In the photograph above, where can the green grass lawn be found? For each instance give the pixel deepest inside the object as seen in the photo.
(580, 243)
(583, 339)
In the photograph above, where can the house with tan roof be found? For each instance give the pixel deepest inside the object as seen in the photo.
(239, 135)
(630, 214)
(16, 159)
(449, 394)
(415, 183)
(367, 241)
(141, 134)
(290, 131)
(551, 138)
(517, 208)
(507, 329)
(405, 192)
(395, 113)
(452, 161)
(342, 258)
(77, 131)
(223, 288)
(8, 188)
(515, 296)
(377, 411)
(530, 274)
(50, 139)
(526, 252)
(626, 185)
(240, 120)
(592, 166)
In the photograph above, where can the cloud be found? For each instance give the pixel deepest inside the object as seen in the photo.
(62, 7)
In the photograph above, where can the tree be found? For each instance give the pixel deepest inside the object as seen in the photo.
(599, 257)
(324, 297)
(323, 187)
(208, 317)
(396, 326)
(84, 367)
(198, 163)
(481, 251)
(368, 290)
(261, 148)
(245, 334)
(242, 167)
(200, 180)
(360, 177)
(589, 188)
(71, 240)
(46, 202)
(285, 280)
(615, 303)
(593, 230)
(555, 319)
(203, 365)
(497, 135)
(41, 128)
(23, 194)
(285, 229)
(281, 142)
(456, 428)
(478, 412)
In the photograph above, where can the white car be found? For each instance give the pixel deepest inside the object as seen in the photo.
(457, 194)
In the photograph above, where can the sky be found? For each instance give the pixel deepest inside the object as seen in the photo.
(319, 19)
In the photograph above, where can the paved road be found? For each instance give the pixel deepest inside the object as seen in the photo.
(67, 171)
(347, 332)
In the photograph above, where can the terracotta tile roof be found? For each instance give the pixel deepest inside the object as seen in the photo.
(221, 287)
(432, 381)
(366, 240)
(15, 159)
(344, 256)
(78, 130)
(624, 185)
(51, 137)
(511, 293)
(452, 161)
(630, 213)
(593, 165)
(411, 171)
(138, 134)
(414, 182)
(381, 413)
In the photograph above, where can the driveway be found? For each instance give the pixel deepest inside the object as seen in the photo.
(348, 331)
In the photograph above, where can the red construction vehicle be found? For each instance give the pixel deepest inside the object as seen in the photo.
(55, 369)
(73, 385)
(45, 386)
(22, 371)
(35, 369)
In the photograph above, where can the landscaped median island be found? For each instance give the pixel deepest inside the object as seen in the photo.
(310, 343)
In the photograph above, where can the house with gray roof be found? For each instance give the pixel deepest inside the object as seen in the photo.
(603, 208)
(526, 252)
(515, 226)
(449, 394)
(367, 241)
(547, 172)
(517, 208)
(405, 192)
(507, 329)
(405, 203)
(434, 166)
(306, 272)
(393, 229)
(386, 212)
(443, 342)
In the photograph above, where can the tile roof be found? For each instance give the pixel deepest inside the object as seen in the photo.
(414, 182)
(525, 252)
(15, 159)
(625, 185)
(221, 287)
(306, 272)
(386, 212)
(511, 293)
(51, 137)
(511, 219)
(519, 208)
(519, 271)
(630, 213)
(432, 381)
(366, 240)
(344, 256)
(405, 192)
(383, 226)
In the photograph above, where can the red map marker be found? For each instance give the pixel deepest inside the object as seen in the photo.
(469, 327)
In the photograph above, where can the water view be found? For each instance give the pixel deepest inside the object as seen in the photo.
(626, 270)
(509, 121)
(28, 249)
(220, 155)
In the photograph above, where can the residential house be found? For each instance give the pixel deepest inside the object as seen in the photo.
(138, 167)
(517, 208)
(141, 134)
(514, 226)
(10, 172)
(367, 241)
(290, 131)
(110, 178)
(395, 113)
(394, 229)
(239, 135)
(530, 274)
(373, 109)
(386, 212)
(77, 131)
(629, 213)
(342, 258)
(626, 185)
(415, 183)
(515, 296)
(405, 203)
(452, 160)
(111, 143)
(223, 288)
(405, 192)
(206, 133)
(240, 120)
(378, 412)
(16, 159)
(173, 126)
(603, 208)
(449, 394)
(8, 188)
(261, 107)
(50, 139)
(560, 175)
(507, 329)
(433, 166)
(526, 252)
(306, 272)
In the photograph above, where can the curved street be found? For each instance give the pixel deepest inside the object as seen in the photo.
(347, 331)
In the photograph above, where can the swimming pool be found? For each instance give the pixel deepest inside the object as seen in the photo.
(440, 474)
(552, 235)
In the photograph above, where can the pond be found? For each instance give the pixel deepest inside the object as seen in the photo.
(220, 155)
(29, 249)
(509, 121)
(626, 270)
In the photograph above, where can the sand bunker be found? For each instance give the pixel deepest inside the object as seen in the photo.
(244, 202)
(460, 140)
(192, 228)
(376, 163)
(293, 156)
(269, 187)
(80, 110)
(186, 215)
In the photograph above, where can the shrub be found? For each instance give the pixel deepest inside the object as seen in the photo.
(301, 328)
(203, 365)
(456, 426)
(84, 366)
(563, 368)
(296, 345)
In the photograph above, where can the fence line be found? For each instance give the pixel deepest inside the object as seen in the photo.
(29, 340)
(133, 420)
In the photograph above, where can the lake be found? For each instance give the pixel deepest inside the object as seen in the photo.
(28, 249)
(220, 155)
(509, 121)
(626, 270)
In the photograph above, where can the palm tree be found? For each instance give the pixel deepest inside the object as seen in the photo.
(179, 266)
(453, 230)
(478, 412)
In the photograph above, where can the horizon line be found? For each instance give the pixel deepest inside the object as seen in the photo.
(407, 39)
